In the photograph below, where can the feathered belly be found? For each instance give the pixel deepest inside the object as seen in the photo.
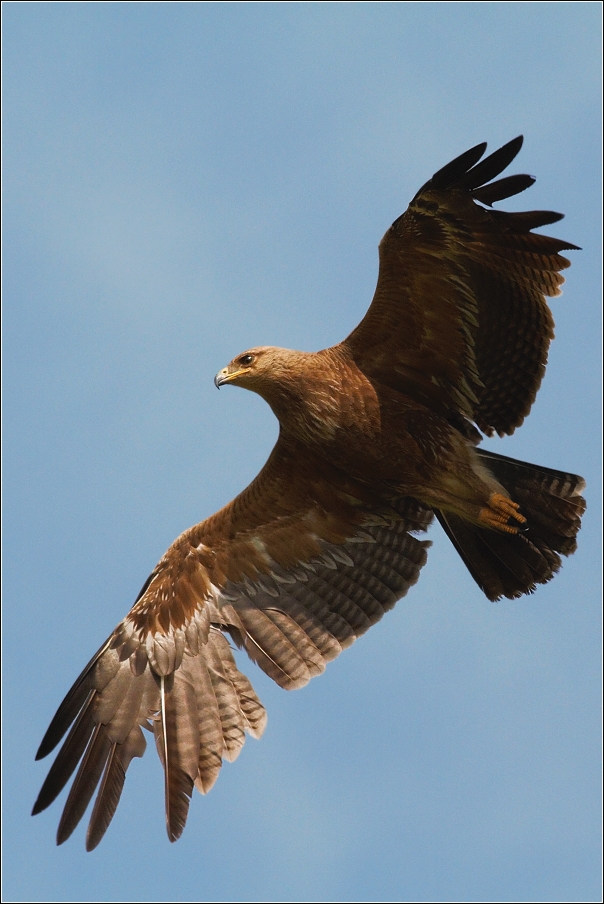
(417, 453)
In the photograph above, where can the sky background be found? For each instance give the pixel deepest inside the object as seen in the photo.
(183, 181)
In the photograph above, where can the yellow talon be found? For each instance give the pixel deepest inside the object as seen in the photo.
(499, 511)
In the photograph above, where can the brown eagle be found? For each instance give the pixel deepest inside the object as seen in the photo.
(377, 435)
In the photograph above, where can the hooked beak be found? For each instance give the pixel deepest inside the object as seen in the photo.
(223, 376)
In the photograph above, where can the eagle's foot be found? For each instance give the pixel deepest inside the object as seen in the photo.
(499, 512)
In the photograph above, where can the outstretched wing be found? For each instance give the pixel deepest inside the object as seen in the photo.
(459, 320)
(293, 570)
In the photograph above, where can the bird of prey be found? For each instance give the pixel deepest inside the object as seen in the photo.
(378, 435)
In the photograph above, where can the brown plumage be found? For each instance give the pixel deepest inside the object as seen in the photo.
(377, 435)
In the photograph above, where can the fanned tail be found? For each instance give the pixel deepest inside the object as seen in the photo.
(511, 565)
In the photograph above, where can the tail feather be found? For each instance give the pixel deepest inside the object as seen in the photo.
(511, 565)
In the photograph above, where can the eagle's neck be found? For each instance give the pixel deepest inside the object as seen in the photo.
(317, 394)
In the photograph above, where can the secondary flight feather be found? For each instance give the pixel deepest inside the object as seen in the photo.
(377, 435)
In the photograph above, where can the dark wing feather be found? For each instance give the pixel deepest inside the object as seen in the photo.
(291, 575)
(66, 762)
(112, 784)
(450, 173)
(178, 742)
(490, 167)
(85, 782)
(459, 321)
(503, 188)
(70, 707)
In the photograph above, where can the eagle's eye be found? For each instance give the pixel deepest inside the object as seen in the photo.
(246, 359)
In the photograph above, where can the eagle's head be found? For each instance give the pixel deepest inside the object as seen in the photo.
(249, 369)
(302, 388)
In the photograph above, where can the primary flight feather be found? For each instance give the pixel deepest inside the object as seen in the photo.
(377, 435)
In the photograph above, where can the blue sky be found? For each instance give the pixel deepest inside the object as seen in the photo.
(183, 181)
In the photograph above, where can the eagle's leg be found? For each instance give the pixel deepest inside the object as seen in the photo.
(498, 512)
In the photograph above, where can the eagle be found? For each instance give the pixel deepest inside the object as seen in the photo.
(377, 436)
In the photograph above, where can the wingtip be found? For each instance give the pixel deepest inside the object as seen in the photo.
(47, 746)
(63, 833)
(92, 843)
(175, 826)
(512, 147)
(453, 170)
(479, 148)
